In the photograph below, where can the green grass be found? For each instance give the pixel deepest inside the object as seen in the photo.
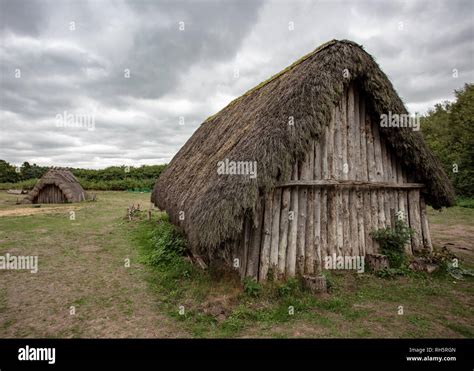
(356, 302)
(87, 254)
(452, 216)
(465, 202)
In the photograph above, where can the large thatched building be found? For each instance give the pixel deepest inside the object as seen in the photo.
(328, 171)
(54, 187)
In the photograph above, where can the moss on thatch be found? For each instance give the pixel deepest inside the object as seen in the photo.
(61, 178)
(254, 127)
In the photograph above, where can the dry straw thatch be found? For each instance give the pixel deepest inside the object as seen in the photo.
(254, 127)
(61, 178)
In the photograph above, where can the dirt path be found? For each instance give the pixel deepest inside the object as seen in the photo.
(83, 287)
(29, 210)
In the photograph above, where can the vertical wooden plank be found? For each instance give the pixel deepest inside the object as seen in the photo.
(293, 228)
(324, 154)
(367, 222)
(357, 173)
(255, 241)
(360, 224)
(340, 247)
(267, 233)
(309, 233)
(393, 162)
(246, 246)
(317, 209)
(384, 162)
(354, 223)
(379, 174)
(378, 152)
(387, 163)
(344, 128)
(324, 175)
(284, 228)
(275, 239)
(343, 202)
(365, 176)
(337, 156)
(364, 171)
(324, 224)
(402, 206)
(331, 224)
(359, 238)
(371, 166)
(415, 220)
(425, 228)
(402, 202)
(302, 217)
(330, 147)
(372, 174)
(317, 231)
(350, 132)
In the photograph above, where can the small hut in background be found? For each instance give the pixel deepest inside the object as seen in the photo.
(55, 187)
(327, 172)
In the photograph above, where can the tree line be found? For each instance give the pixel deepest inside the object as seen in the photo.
(110, 178)
(448, 130)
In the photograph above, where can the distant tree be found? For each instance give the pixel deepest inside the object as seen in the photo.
(448, 130)
(8, 173)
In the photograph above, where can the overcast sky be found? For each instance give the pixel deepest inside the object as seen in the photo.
(146, 74)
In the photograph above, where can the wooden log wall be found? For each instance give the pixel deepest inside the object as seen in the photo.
(50, 194)
(350, 183)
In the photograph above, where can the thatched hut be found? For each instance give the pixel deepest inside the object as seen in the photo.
(54, 187)
(328, 173)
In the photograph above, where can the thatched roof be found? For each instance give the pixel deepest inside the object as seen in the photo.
(63, 179)
(254, 127)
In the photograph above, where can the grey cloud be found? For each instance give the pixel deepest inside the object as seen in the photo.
(22, 16)
(137, 119)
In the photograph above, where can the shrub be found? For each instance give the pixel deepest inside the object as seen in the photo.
(465, 202)
(168, 243)
(252, 287)
(288, 288)
(392, 242)
(24, 184)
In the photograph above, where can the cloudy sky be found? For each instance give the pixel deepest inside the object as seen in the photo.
(99, 83)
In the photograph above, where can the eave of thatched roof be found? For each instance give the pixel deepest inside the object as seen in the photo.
(64, 180)
(254, 127)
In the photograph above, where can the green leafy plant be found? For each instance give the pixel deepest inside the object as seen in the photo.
(252, 287)
(288, 288)
(391, 272)
(169, 243)
(392, 242)
(457, 272)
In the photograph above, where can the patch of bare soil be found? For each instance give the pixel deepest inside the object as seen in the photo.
(457, 238)
(24, 211)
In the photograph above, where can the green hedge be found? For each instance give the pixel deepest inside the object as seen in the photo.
(111, 185)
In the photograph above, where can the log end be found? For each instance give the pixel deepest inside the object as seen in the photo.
(377, 262)
(315, 284)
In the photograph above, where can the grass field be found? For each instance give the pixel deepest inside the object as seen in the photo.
(93, 282)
